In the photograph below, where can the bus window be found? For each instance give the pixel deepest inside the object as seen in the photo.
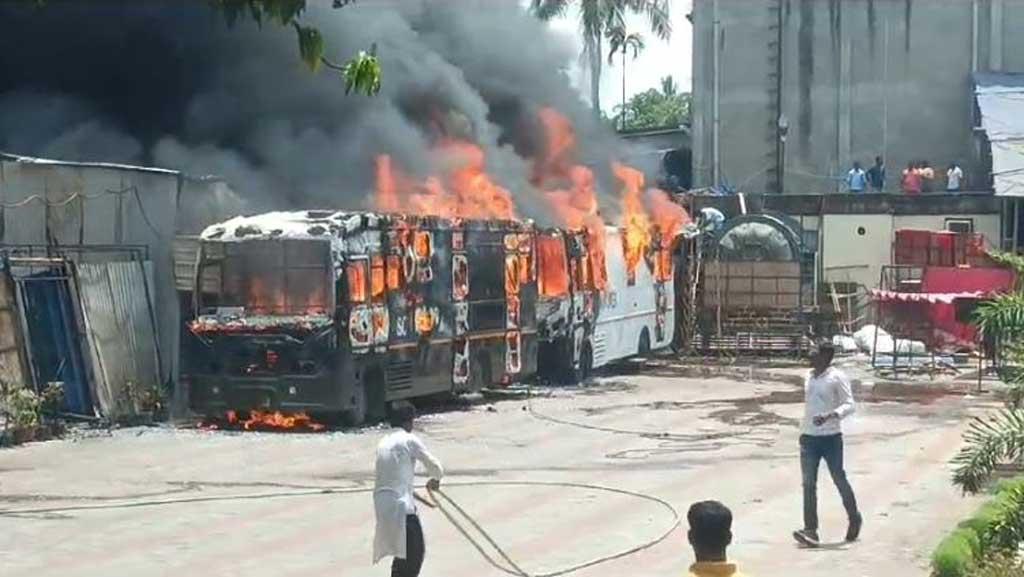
(394, 272)
(424, 245)
(356, 273)
(553, 276)
(377, 279)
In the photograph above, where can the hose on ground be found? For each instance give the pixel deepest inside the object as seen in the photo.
(514, 569)
(439, 498)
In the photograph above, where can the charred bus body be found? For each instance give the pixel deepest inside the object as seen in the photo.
(595, 307)
(340, 312)
(337, 312)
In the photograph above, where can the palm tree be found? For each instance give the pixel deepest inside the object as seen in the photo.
(620, 43)
(597, 18)
(998, 438)
(668, 86)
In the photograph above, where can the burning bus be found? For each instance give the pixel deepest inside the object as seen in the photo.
(339, 313)
(443, 289)
(596, 307)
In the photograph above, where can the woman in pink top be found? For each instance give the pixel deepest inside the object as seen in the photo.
(911, 182)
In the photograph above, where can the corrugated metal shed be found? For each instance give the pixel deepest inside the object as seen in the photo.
(1001, 102)
(12, 367)
(117, 308)
(186, 256)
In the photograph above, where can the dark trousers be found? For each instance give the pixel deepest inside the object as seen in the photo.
(812, 450)
(414, 550)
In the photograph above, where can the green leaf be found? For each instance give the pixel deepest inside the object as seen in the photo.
(311, 46)
(363, 73)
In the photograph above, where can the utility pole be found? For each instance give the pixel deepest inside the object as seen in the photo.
(783, 132)
(716, 155)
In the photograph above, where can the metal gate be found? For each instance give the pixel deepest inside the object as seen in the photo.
(44, 294)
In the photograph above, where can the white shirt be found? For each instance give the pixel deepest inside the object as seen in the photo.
(829, 392)
(953, 177)
(393, 498)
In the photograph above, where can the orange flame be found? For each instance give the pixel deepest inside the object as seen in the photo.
(636, 234)
(463, 189)
(264, 420)
(669, 217)
(553, 280)
(570, 189)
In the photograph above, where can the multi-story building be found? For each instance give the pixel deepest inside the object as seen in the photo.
(789, 93)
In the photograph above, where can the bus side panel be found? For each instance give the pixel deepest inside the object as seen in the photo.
(626, 310)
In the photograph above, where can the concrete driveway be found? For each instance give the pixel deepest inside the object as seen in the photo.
(734, 440)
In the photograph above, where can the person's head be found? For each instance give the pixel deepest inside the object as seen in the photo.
(402, 415)
(710, 530)
(878, 161)
(822, 356)
(911, 165)
(856, 165)
(924, 164)
(953, 165)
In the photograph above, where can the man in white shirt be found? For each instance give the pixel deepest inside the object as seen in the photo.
(828, 399)
(399, 533)
(954, 178)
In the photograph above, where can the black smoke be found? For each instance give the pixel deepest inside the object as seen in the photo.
(170, 84)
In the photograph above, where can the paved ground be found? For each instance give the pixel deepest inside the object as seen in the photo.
(733, 440)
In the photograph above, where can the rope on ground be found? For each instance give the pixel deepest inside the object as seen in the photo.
(511, 569)
(515, 569)
(684, 437)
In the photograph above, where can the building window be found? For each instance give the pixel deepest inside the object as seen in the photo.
(960, 225)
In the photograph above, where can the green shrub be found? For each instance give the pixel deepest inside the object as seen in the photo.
(955, 555)
(997, 527)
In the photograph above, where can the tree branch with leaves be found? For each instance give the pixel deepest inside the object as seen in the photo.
(597, 19)
(362, 73)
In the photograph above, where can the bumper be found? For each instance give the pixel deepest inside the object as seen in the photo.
(216, 394)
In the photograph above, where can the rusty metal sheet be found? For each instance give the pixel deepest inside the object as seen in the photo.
(12, 367)
(118, 316)
(186, 256)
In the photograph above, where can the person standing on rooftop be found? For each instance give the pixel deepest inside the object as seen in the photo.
(876, 175)
(856, 179)
(954, 178)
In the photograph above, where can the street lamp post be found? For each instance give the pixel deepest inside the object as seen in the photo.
(781, 160)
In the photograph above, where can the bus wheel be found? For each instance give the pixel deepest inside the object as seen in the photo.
(582, 373)
(369, 406)
(644, 347)
(356, 414)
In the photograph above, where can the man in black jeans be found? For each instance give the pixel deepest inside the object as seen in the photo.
(828, 399)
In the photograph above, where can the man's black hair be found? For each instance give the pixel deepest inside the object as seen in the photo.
(710, 526)
(402, 414)
(827, 350)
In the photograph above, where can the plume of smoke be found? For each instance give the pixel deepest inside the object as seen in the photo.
(175, 87)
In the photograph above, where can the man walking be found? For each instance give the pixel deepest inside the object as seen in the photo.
(876, 175)
(856, 179)
(828, 399)
(399, 533)
(710, 534)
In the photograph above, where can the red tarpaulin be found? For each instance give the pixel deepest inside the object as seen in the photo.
(941, 287)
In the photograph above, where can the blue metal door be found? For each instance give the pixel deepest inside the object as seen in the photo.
(54, 346)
